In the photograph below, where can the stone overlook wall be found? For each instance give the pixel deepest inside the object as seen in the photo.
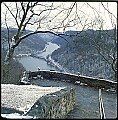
(54, 105)
(99, 83)
(95, 82)
(47, 74)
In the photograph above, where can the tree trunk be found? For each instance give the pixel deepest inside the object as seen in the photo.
(9, 56)
(116, 75)
(10, 51)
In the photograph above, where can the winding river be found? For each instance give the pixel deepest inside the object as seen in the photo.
(87, 101)
(32, 64)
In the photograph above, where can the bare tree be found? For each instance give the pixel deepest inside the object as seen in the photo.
(25, 15)
(105, 46)
(46, 16)
(49, 17)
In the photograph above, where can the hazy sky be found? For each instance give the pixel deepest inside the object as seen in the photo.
(85, 12)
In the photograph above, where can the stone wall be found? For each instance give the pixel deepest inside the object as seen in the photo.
(67, 77)
(55, 75)
(99, 83)
(54, 105)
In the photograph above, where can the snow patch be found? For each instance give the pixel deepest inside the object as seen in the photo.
(15, 115)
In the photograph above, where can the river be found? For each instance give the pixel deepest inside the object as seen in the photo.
(31, 63)
(50, 47)
(87, 101)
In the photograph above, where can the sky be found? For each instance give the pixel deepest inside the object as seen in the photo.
(82, 19)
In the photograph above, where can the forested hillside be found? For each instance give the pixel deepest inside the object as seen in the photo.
(82, 53)
(12, 73)
(79, 54)
(28, 45)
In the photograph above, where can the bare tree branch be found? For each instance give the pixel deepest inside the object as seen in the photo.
(108, 10)
(25, 36)
(7, 31)
(12, 14)
(26, 14)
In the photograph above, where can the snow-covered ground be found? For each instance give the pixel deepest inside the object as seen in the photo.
(16, 116)
(22, 97)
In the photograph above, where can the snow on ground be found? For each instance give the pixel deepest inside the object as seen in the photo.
(22, 97)
(16, 116)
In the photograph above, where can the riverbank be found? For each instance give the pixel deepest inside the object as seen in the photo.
(38, 52)
(51, 61)
(46, 55)
(32, 53)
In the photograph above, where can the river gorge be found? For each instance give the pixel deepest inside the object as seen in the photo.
(87, 100)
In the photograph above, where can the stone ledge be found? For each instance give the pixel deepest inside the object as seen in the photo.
(36, 101)
(22, 97)
(55, 105)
